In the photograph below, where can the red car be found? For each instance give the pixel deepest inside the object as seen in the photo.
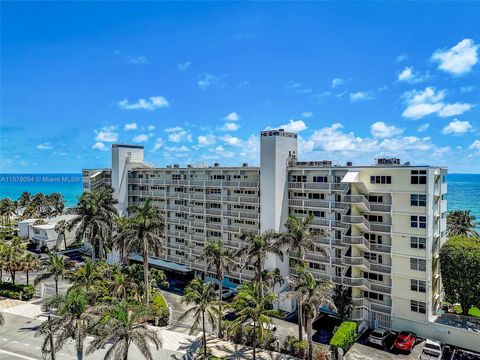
(405, 341)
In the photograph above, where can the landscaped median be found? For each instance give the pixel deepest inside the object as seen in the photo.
(18, 291)
(345, 336)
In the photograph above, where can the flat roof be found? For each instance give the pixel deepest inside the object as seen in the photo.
(168, 265)
(127, 146)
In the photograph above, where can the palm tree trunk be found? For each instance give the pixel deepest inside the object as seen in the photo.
(145, 271)
(125, 354)
(204, 335)
(26, 272)
(12, 274)
(309, 336)
(220, 289)
(100, 248)
(79, 342)
(65, 241)
(254, 345)
(56, 286)
(300, 321)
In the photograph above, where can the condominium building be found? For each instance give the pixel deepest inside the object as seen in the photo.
(382, 225)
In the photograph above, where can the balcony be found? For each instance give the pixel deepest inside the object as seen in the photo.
(359, 200)
(380, 207)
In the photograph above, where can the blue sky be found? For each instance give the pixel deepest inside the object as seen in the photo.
(197, 82)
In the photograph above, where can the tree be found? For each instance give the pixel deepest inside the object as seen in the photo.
(55, 268)
(71, 321)
(221, 258)
(312, 294)
(299, 239)
(38, 205)
(272, 278)
(120, 239)
(342, 298)
(145, 233)
(256, 250)
(8, 208)
(459, 263)
(86, 276)
(61, 228)
(120, 325)
(2, 319)
(29, 263)
(461, 222)
(24, 199)
(250, 305)
(205, 307)
(55, 203)
(11, 257)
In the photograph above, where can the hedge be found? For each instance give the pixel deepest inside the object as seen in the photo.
(18, 292)
(345, 335)
(159, 309)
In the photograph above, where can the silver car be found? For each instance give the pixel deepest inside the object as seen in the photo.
(379, 336)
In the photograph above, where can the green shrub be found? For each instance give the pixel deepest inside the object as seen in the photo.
(345, 335)
(159, 309)
(293, 346)
(18, 292)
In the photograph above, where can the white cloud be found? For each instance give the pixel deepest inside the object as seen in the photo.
(454, 109)
(401, 57)
(177, 134)
(307, 114)
(381, 130)
(231, 140)
(294, 126)
(107, 134)
(45, 146)
(423, 127)
(475, 145)
(140, 138)
(150, 127)
(459, 59)
(337, 82)
(206, 140)
(173, 129)
(233, 116)
(99, 146)
(138, 60)
(466, 89)
(410, 76)
(430, 101)
(230, 126)
(298, 88)
(457, 127)
(152, 103)
(182, 148)
(158, 144)
(184, 66)
(209, 80)
(131, 126)
(361, 96)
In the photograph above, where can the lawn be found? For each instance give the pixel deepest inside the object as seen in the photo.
(474, 311)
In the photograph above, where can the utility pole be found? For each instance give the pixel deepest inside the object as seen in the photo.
(50, 335)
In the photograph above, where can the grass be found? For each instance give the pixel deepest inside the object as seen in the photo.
(474, 311)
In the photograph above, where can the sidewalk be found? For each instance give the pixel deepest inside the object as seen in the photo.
(231, 351)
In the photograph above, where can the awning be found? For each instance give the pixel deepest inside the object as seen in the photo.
(162, 264)
(350, 177)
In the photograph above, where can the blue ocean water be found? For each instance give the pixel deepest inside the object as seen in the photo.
(463, 189)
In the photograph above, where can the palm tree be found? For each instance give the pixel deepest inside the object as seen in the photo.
(71, 321)
(299, 239)
(29, 262)
(61, 228)
(56, 268)
(120, 326)
(221, 258)
(8, 208)
(2, 319)
(11, 257)
(205, 307)
(250, 305)
(272, 278)
(461, 222)
(256, 250)
(38, 203)
(56, 204)
(145, 232)
(342, 298)
(121, 285)
(312, 294)
(85, 276)
(120, 239)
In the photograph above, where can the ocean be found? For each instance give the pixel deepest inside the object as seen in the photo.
(463, 189)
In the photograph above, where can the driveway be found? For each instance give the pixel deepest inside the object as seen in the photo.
(366, 352)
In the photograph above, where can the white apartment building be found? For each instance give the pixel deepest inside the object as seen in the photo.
(382, 225)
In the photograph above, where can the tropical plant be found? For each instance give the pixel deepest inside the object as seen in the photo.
(71, 320)
(250, 305)
(145, 233)
(61, 228)
(29, 263)
(55, 268)
(461, 222)
(38, 205)
(312, 294)
(221, 259)
(272, 278)
(86, 275)
(342, 298)
(120, 240)
(345, 336)
(55, 204)
(459, 264)
(24, 199)
(2, 320)
(120, 325)
(94, 223)
(256, 249)
(8, 208)
(11, 256)
(204, 308)
(299, 239)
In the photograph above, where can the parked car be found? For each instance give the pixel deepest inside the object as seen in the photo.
(405, 341)
(432, 350)
(270, 326)
(379, 336)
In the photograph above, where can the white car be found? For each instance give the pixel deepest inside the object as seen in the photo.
(432, 350)
(270, 326)
(379, 336)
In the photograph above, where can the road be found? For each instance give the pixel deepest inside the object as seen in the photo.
(17, 342)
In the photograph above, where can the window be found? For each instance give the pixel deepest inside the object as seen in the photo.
(176, 176)
(418, 221)
(418, 306)
(380, 179)
(323, 179)
(373, 238)
(418, 177)
(316, 266)
(375, 198)
(299, 178)
(373, 257)
(418, 200)
(418, 264)
(316, 196)
(372, 295)
(418, 285)
(375, 218)
(418, 242)
(373, 276)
